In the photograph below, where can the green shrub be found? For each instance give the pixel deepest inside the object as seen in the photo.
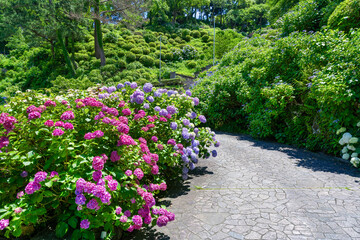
(203, 33)
(136, 50)
(190, 64)
(168, 56)
(146, 51)
(147, 61)
(195, 34)
(187, 38)
(178, 40)
(110, 37)
(205, 38)
(134, 65)
(174, 35)
(138, 33)
(121, 64)
(128, 46)
(152, 44)
(346, 16)
(81, 56)
(130, 57)
(120, 53)
(185, 32)
(172, 41)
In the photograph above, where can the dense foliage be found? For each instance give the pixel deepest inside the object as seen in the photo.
(95, 160)
(297, 89)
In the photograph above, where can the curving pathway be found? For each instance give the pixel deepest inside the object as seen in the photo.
(262, 190)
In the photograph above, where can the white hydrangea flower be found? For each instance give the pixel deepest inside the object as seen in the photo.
(344, 150)
(341, 141)
(353, 140)
(346, 137)
(351, 147)
(358, 124)
(346, 156)
(354, 155)
(355, 161)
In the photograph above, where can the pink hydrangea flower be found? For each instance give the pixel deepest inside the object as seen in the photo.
(112, 184)
(68, 115)
(137, 220)
(49, 103)
(127, 213)
(18, 210)
(34, 115)
(98, 163)
(20, 194)
(59, 124)
(163, 186)
(40, 176)
(98, 134)
(97, 175)
(162, 221)
(89, 136)
(154, 139)
(155, 169)
(160, 146)
(4, 223)
(118, 210)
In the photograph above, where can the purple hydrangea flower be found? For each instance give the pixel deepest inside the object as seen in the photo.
(157, 108)
(171, 109)
(186, 122)
(111, 89)
(150, 99)
(147, 87)
(85, 224)
(163, 112)
(40, 176)
(120, 85)
(80, 199)
(196, 101)
(193, 115)
(188, 92)
(24, 174)
(214, 153)
(157, 94)
(202, 118)
(162, 221)
(173, 125)
(146, 106)
(127, 83)
(133, 85)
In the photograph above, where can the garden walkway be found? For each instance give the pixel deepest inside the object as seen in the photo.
(262, 190)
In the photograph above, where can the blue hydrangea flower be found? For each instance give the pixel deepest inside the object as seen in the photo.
(193, 115)
(157, 108)
(163, 112)
(202, 118)
(150, 99)
(146, 106)
(133, 85)
(186, 122)
(214, 153)
(171, 109)
(188, 92)
(120, 85)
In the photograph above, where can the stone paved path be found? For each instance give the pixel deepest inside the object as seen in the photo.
(261, 190)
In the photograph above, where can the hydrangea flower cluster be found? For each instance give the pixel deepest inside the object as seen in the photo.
(350, 150)
(113, 149)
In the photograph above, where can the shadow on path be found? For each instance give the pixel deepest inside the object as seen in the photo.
(304, 158)
(175, 189)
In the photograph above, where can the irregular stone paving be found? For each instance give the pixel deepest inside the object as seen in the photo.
(261, 190)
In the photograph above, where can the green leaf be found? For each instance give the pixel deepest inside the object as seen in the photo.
(76, 235)
(73, 222)
(55, 204)
(39, 211)
(27, 163)
(61, 229)
(33, 219)
(17, 232)
(48, 193)
(49, 184)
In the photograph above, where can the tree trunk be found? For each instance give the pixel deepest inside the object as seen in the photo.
(174, 18)
(73, 52)
(99, 48)
(65, 52)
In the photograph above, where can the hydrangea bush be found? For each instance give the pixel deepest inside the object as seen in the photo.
(351, 147)
(95, 159)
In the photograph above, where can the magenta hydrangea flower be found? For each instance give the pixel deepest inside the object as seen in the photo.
(97, 175)
(128, 173)
(126, 112)
(4, 223)
(137, 220)
(123, 219)
(31, 187)
(49, 103)
(171, 142)
(123, 128)
(162, 221)
(98, 134)
(149, 199)
(19, 194)
(114, 157)
(59, 124)
(68, 126)
(154, 139)
(160, 146)
(49, 123)
(127, 213)
(126, 140)
(118, 210)
(155, 169)
(18, 210)
(40, 176)
(53, 174)
(139, 173)
(108, 178)
(34, 115)
(89, 136)
(112, 184)
(85, 224)
(68, 115)
(93, 204)
(57, 132)
(98, 163)
(163, 186)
